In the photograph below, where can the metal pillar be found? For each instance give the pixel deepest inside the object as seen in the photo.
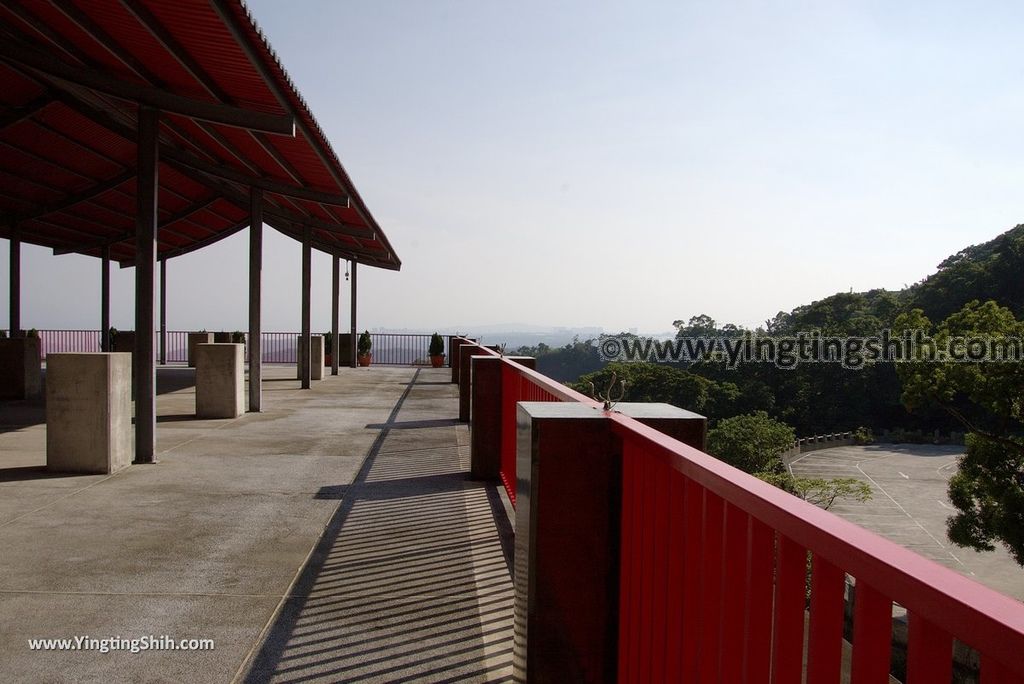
(105, 299)
(145, 267)
(352, 325)
(306, 369)
(163, 312)
(15, 291)
(255, 282)
(335, 304)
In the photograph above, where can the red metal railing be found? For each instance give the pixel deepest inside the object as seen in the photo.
(519, 383)
(712, 579)
(713, 575)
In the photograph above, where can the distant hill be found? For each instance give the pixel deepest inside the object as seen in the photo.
(992, 270)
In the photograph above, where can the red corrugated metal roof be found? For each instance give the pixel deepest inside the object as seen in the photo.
(67, 145)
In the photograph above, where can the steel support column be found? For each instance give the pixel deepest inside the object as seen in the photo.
(145, 272)
(163, 312)
(105, 299)
(15, 291)
(352, 325)
(304, 350)
(255, 283)
(335, 304)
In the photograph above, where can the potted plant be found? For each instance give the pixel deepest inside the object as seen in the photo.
(363, 348)
(436, 351)
(238, 337)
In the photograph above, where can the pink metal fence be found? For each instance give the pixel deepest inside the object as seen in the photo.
(395, 349)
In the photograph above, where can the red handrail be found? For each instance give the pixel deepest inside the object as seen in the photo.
(713, 574)
(713, 561)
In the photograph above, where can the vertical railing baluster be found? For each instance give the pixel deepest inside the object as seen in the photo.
(757, 626)
(659, 621)
(736, 590)
(677, 535)
(790, 600)
(825, 641)
(929, 651)
(711, 585)
(628, 550)
(872, 635)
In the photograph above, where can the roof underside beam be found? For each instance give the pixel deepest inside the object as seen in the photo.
(194, 163)
(238, 198)
(128, 235)
(213, 112)
(18, 114)
(70, 200)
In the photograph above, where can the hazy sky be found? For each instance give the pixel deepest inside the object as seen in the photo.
(622, 165)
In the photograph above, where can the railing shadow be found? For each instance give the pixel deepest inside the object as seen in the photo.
(410, 579)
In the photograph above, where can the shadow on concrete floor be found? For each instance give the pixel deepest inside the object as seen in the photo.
(414, 424)
(22, 473)
(410, 580)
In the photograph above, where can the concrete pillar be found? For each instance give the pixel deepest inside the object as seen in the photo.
(194, 340)
(88, 412)
(147, 184)
(352, 314)
(255, 303)
(316, 357)
(489, 426)
(304, 366)
(105, 299)
(454, 357)
(466, 351)
(163, 312)
(335, 305)
(15, 285)
(568, 535)
(569, 467)
(220, 380)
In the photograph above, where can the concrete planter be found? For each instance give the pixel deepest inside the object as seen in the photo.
(20, 373)
(220, 380)
(88, 412)
(193, 340)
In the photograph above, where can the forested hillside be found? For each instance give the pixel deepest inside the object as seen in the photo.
(818, 397)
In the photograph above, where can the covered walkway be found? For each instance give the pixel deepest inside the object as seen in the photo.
(224, 539)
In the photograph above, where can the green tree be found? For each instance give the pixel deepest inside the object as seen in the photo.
(753, 442)
(985, 397)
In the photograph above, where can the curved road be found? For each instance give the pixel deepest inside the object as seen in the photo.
(909, 504)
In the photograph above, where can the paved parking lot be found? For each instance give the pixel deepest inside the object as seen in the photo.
(909, 504)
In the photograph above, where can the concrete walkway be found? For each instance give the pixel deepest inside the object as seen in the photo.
(409, 581)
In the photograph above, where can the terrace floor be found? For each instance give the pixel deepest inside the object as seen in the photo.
(333, 537)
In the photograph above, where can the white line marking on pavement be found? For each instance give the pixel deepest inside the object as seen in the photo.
(882, 489)
(944, 505)
(904, 476)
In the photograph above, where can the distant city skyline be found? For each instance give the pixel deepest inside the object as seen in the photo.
(585, 165)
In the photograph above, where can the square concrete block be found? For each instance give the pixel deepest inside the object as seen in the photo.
(316, 344)
(20, 374)
(88, 412)
(220, 380)
(193, 340)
